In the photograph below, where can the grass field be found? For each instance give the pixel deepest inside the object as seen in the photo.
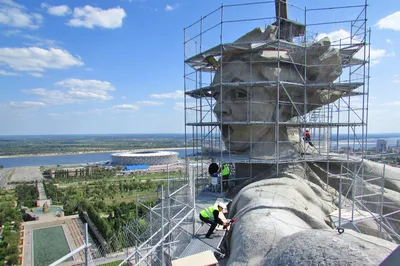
(152, 176)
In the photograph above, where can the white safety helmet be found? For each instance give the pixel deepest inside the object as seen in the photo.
(222, 205)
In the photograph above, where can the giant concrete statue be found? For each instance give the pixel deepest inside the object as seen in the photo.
(281, 220)
(257, 103)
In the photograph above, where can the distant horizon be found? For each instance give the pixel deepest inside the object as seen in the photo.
(116, 134)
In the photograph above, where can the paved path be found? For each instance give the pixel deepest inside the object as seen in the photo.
(4, 173)
(42, 192)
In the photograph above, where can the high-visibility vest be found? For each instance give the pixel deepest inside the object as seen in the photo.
(208, 212)
(225, 170)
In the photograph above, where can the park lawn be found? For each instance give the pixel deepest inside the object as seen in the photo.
(118, 179)
(131, 196)
(8, 195)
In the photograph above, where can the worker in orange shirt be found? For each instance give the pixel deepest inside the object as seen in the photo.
(307, 137)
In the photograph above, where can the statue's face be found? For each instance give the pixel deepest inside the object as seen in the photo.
(244, 104)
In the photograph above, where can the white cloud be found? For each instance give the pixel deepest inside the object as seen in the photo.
(5, 73)
(180, 106)
(393, 103)
(61, 10)
(16, 15)
(388, 41)
(172, 95)
(35, 40)
(391, 54)
(342, 37)
(35, 74)
(41, 42)
(90, 17)
(375, 55)
(78, 113)
(27, 104)
(53, 97)
(89, 88)
(37, 59)
(125, 107)
(123, 98)
(149, 103)
(9, 33)
(85, 83)
(390, 22)
(75, 91)
(171, 7)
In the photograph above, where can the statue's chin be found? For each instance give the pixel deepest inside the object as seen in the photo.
(237, 147)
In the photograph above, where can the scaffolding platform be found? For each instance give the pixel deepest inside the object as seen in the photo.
(345, 87)
(297, 158)
(201, 60)
(199, 242)
(289, 124)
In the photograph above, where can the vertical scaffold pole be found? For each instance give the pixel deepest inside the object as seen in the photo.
(137, 231)
(221, 88)
(162, 226)
(168, 210)
(340, 196)
(87, 245)
(381, 200)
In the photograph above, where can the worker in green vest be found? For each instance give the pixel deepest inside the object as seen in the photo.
(225, 176)
(210, 216)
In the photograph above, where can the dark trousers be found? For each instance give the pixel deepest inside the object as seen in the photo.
(308, 140)
(225, 182)
(212, 223)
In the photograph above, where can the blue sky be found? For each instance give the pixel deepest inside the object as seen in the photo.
(116, 66)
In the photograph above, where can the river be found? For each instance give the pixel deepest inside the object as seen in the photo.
(65, 159)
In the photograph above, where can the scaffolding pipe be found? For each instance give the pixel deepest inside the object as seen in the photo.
(87, 244)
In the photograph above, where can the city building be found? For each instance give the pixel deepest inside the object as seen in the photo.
(381, 145)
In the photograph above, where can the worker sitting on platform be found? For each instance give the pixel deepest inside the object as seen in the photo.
(307, 137)
(210, 216)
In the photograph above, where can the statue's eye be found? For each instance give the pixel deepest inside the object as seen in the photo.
(239, 95)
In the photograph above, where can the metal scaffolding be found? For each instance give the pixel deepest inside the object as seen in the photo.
(338, 125)
(168, 227)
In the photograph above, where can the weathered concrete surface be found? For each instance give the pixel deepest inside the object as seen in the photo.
(327, 247)
(271, 211)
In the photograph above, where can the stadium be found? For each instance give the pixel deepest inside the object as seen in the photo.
(144, 158)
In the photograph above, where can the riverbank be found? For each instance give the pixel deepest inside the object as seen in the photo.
(89, 152)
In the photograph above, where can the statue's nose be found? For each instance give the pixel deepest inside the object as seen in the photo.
(221, 110)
